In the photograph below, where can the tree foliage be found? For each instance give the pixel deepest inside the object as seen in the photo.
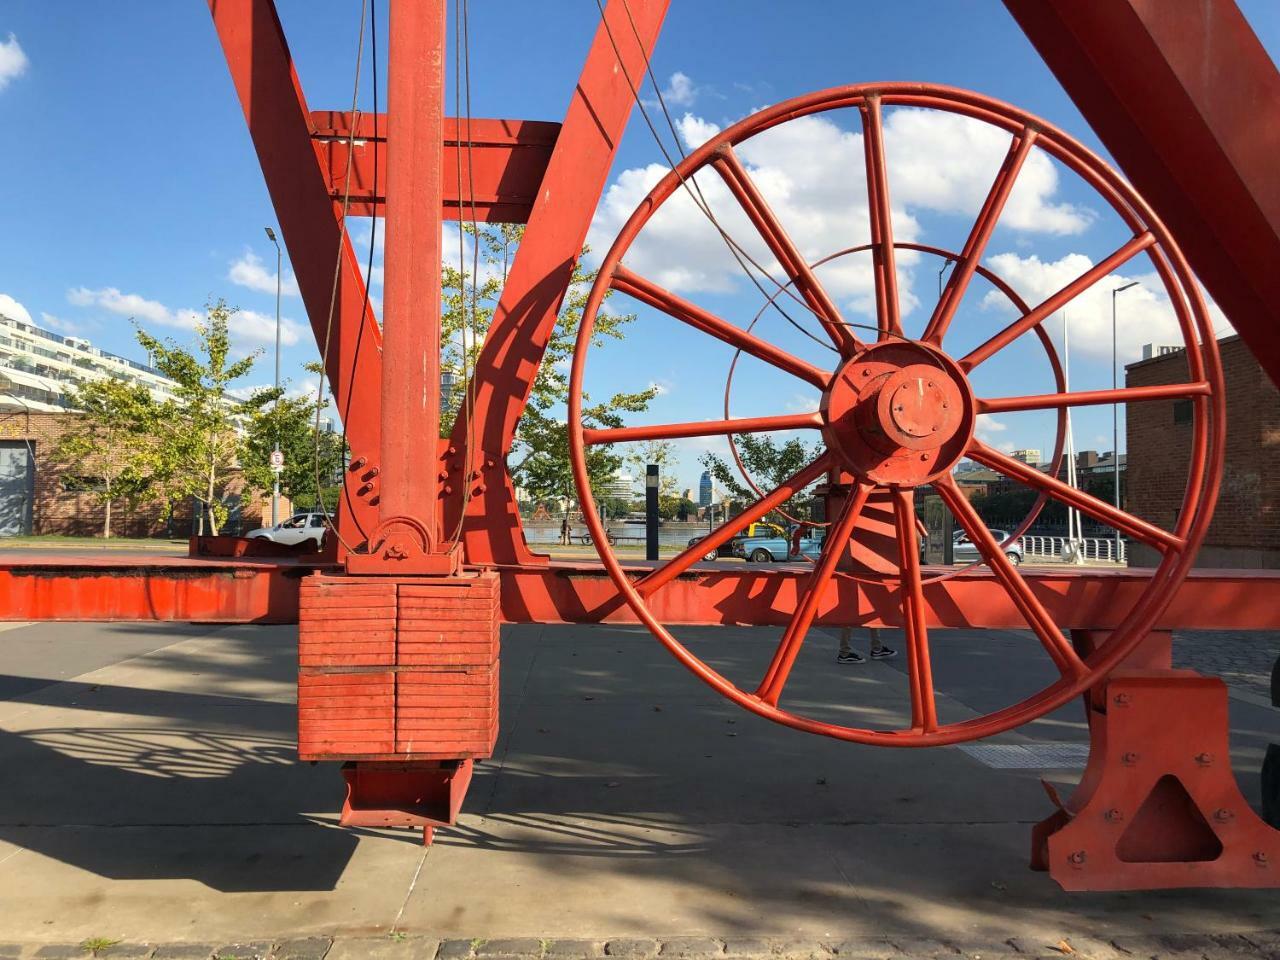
(313, 458)
(768, 462)
(198, 434)
(108, 449)
(539, 458)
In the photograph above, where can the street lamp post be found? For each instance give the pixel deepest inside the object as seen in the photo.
(275, 490)
(1115, 407)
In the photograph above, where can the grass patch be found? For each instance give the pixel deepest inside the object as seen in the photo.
(97, 945)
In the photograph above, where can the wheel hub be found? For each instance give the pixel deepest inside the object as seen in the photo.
(899, 413)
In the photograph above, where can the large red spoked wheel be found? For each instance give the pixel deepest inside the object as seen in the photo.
(898, 413)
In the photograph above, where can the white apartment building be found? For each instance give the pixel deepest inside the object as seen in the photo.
(43, 366)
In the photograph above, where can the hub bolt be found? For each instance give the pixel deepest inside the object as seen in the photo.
(1114, 816)
(1204, 759)
(1223, 815)
(1260, 858)
(1077, 857)
(1121, 700)
(1129, 759)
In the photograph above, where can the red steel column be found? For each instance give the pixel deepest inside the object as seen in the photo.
(408, 536)
(411, 304)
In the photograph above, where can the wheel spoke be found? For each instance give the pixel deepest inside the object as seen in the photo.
(1057, 645)
(1058, 300)
(730, 528)
(784, 657)
(1083, 398)
(634, 285)
(881, 215)
(1100, 510)
(924, 706)
(784, 250)
(976, 245)
(704, 428)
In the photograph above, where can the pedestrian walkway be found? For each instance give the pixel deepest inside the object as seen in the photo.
(155, 799)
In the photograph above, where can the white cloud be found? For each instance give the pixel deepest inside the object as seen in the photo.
(812, 173)
(990, 430)
(248, 271)
(12, 309)
(944, 162)
(801, 403)
(681, 90)
(13, 61)
(248, 327)
(1144, 313)
(50, 322)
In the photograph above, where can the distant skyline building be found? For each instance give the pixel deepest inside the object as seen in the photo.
(1030, 456)
(706, 489)
(44, 367)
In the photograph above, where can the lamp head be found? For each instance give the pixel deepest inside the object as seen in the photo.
(1121, 289)
(271, 235)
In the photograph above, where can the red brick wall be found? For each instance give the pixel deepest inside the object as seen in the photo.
(57, 512)
(1245, 531)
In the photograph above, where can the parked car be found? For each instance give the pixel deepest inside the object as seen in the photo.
(776, 549)
(299, 527)
(965, 550)
(726, 549)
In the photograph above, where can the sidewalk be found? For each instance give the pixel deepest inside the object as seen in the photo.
(157, 800)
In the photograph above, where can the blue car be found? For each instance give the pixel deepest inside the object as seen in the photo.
(776, 549)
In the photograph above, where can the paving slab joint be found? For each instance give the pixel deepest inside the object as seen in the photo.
(456, 949)
(632, 949)
(573, 949)
(689, 947)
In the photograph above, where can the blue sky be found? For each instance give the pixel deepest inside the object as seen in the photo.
(133, 187)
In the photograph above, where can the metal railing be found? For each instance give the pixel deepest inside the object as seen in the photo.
(1067, 548)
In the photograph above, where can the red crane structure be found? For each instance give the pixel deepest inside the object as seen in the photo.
(398, 620)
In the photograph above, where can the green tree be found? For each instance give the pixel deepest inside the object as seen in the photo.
(198, 433)
(313, 459)
(539, 458)
(109, 449)
(663, 453)
(768, 462)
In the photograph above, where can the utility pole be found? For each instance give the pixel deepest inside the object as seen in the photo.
(651, 512)
(1115, 429)
(276, 460)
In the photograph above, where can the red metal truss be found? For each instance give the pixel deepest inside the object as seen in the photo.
(266, 591)
(526, 313)
(310, 224)
(1184, 96)
(500, 164)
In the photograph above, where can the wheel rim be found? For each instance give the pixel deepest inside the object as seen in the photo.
(937, 431)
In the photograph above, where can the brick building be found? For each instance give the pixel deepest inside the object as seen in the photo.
(1246, 524)
(36, 497)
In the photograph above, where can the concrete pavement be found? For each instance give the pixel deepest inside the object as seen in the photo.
(152, 795)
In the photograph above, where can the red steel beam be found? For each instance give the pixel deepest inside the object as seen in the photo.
(1186, 99)
(493, 166)
(526, 313)
(411, 288)
(310, 222)
(266, 591)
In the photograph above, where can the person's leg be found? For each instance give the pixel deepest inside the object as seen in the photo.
(847, 654)
(878, 650)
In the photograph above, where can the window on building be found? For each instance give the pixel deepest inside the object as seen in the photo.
(1182, 411)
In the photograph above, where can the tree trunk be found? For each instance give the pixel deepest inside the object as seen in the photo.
(213, 517)
(106, 521)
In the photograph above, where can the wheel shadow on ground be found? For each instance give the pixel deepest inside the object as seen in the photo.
(619, 773)
(139, 783)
